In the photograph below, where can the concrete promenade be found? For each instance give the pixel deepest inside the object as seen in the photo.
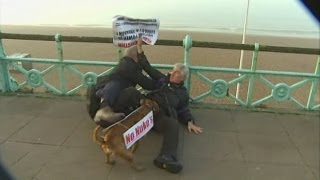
(51, 139)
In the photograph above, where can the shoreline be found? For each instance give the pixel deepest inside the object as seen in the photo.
(219, 30)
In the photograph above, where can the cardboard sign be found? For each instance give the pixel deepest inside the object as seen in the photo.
(137, 131)
(127, 30)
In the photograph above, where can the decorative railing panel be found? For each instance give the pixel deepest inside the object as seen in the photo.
(217, 88)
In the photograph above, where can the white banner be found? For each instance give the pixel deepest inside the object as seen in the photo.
(127, 30)
(137, 131)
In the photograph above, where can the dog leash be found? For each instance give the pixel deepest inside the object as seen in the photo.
(122, 125)
(120, 122)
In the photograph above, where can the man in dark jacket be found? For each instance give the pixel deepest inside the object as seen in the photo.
(121, 82)
(173, 100)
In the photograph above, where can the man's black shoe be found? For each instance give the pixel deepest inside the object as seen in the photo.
(168, 163)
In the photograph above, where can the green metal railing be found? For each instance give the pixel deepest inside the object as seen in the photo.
(219, 88)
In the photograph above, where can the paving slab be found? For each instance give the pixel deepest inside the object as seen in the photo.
(207, 168)
(269, 149)
(301, 128)
(47, 130)
(122, 170)
(215, 120)
(66, 108)
(304, 133)
(279, 172)
(11, 123)
(32, 163)
(13, 152)
(24, 105)
(76, 163)
(258, 123)
(218, 146)
(82, 135)
(5, 103)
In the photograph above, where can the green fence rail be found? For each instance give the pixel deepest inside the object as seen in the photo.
(219, 88)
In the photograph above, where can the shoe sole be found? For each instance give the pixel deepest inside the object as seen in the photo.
(168, 167)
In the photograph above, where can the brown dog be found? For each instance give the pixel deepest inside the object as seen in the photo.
(111, 138)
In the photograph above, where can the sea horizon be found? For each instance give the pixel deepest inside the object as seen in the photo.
(230, 30)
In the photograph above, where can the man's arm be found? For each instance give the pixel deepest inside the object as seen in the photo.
(185, 115)
(139, 45)
(152, 72)
(131, 72)
(143, 61)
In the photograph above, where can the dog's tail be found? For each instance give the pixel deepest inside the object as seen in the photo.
(97, 135)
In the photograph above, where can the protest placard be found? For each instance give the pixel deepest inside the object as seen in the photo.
(137, 131)
(127, 30)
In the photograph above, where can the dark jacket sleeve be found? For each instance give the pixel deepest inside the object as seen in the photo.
(183, 111)
(152, 72)
(132, 72)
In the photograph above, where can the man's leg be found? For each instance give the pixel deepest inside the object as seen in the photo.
(128, 100)
(167, 158)
(170, 129)
(105, 116)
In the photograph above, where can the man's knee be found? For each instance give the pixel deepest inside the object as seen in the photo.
(163, 123)
(171, 123)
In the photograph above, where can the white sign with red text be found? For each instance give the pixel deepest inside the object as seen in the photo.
(127, 30)
(137, 131)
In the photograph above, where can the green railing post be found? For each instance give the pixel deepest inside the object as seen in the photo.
(187, 44)
(252, 76)
(314, 85)
(61, 66)
(7, 83)
(4, 72)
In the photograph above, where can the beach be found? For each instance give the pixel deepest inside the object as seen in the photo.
(170, 55)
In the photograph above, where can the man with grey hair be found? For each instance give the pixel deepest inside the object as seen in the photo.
(173, 100)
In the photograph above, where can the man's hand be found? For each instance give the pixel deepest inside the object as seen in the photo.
(193, 128)
(139, 45)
